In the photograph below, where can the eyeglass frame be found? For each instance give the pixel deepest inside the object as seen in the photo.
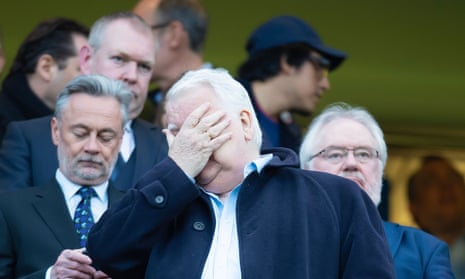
(160, 25)
(374, 154)
(320, 63)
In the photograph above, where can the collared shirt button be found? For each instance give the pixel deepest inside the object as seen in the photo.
(198, 226)
(159, 199)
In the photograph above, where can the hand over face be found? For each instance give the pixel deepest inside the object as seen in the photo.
(75, 264)
(201, 134)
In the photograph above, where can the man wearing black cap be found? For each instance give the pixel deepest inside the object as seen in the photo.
(286, 71)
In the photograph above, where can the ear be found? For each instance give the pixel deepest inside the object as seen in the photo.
(46, 67)
(246, 122)
(85, 55)
(177, 34)
(285, 67)
(54, 131)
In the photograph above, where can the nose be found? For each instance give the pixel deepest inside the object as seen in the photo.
(324, 83)
(130, 72)
(92, 145)
(350, 162)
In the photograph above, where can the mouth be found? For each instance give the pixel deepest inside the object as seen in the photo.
(89, 164)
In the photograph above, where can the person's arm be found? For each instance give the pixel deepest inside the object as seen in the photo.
(121, 242)
(15, 170)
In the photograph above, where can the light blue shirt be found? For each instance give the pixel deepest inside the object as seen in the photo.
(223, 260)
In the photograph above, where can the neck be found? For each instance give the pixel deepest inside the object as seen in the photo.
(39, 88)
(270, 97)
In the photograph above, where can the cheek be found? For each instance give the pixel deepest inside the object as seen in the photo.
(320, 165)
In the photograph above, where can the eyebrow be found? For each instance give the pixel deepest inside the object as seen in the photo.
(127, 56)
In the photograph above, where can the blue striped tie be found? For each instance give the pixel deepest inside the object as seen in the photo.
(83, 219)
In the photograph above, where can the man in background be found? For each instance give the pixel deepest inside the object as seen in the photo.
(286, 72)
(436, 194)
(46, 61)
(180, 28)
(121, 46)
(348, 142)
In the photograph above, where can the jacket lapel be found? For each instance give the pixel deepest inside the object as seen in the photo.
(394, 236)
(51, 206)
(144, 142)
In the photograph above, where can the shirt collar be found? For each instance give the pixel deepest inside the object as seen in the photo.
(127, 127)
(257, 164)
(69, 188)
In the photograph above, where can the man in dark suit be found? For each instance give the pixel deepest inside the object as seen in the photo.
(43, 229)
(206, 211)
(121, 46)
(348, 141)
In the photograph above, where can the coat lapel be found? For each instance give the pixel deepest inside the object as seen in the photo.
(51, 206)
(394, 236)
(144, 141)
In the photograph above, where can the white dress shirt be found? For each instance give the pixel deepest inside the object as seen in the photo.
(128, 143)
(223, 260)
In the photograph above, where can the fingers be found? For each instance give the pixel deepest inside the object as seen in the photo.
(201, 134)
(72, 264)
(101, 275)
(194, 118)
(217, 126)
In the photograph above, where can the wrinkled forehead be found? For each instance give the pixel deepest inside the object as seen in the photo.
(179, 105)
(346, 133)
(137, 38)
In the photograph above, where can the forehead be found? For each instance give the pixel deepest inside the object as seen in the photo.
(130, 38)
(83, 109)
(179, 107)
(345, 132)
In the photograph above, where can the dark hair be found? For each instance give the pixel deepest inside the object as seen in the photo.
(53, 37)
(413, 184)
(267, 64)
(192, 16)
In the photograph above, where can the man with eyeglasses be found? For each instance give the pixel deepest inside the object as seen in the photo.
(347, 141)
(286, 72)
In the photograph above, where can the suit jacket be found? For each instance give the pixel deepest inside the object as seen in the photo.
(417, 254)
(291, 223)
(28, 156)
(35, 226)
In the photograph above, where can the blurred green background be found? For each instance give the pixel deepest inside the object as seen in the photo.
(406, 56)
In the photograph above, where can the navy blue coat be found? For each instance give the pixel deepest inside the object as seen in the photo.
(417, 254)
(28, 156)
(291, 223)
